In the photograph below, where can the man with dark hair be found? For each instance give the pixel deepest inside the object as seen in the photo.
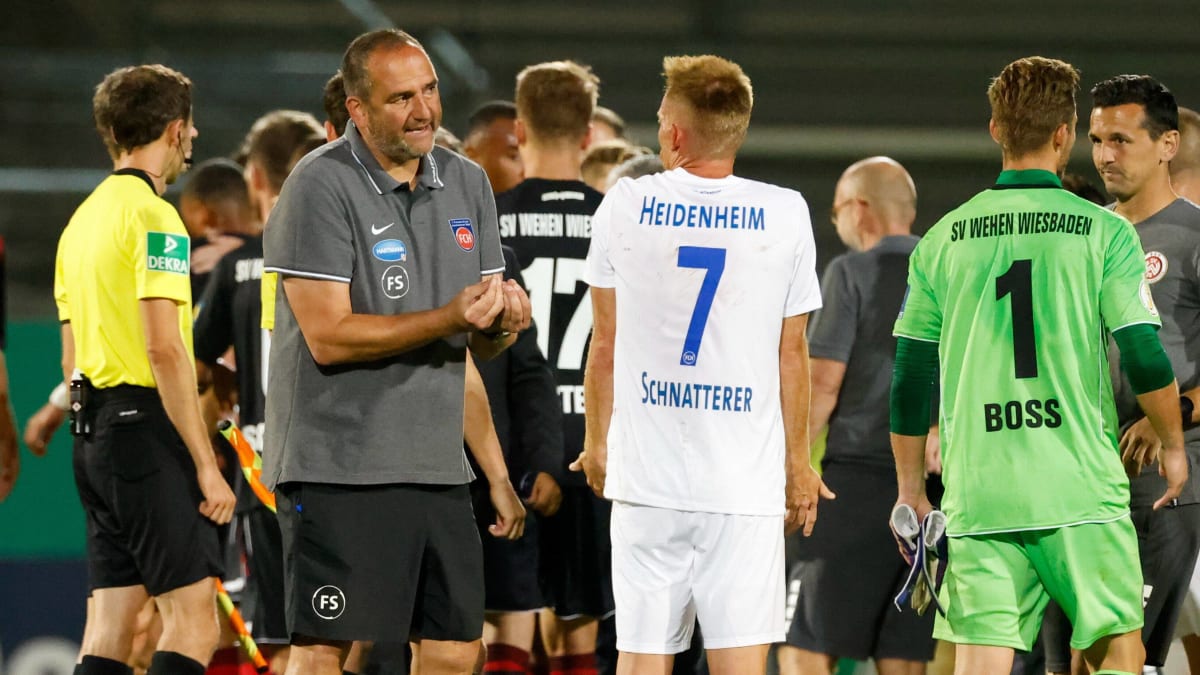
(1018, 288)
(333, 100)
(215, 207)
(389, 262)
(144, 466)
(491, 142)
(547, 220)
(1135, 136)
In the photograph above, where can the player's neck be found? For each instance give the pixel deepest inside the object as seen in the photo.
(707, 168)
(555, 166)
(552, 161)
(1154, 197)
(150, 159)
(1046, 158)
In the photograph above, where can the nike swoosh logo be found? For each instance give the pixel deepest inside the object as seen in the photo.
(380, 230)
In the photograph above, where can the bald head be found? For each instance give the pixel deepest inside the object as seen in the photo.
(875, 198)
(1185, 167)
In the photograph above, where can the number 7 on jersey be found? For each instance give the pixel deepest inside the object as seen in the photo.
(712, 260)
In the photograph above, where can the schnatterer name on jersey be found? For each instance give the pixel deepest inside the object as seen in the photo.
(659, 213)
(673, 394)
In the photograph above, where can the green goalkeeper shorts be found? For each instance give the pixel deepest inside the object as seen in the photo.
(997, 586)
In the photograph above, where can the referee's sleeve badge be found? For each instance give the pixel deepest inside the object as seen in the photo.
(167, 253)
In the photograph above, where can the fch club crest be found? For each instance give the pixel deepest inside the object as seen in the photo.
(464, 233)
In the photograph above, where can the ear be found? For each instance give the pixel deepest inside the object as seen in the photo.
(1170, 145)
(520, 131)
(331, 134)
(174, 131)
(994, 130)
(1061, 135)
(678, 136)
(358, 111)
(257, 177)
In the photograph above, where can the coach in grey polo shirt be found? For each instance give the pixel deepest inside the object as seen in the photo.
(381, 240)
(342, 218)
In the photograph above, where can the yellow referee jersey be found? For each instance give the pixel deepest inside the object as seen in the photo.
(124, 244)
(270, 282)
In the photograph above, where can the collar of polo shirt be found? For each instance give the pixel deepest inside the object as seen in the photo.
(382, 181)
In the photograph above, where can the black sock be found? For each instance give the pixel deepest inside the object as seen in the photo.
(347, 672)
(174, 663)
(98, 665)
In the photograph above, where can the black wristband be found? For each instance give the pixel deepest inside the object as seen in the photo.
(1186, 408)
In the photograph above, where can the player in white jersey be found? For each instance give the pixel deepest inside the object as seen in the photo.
(697, 414)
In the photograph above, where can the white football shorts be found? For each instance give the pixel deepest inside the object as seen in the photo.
(672, 567)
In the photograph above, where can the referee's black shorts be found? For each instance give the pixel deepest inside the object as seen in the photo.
(381, 562)
(844, 577)
(137, 484)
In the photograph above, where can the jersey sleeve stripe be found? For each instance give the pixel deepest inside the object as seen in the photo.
(918, 339)
(307, 275)
(492, 271)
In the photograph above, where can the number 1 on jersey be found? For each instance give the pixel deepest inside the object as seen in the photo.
(1018, 281)
(712, 260)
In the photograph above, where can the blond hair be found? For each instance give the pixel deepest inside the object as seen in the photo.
(718, 95)
(555, 100)
(1031, 98)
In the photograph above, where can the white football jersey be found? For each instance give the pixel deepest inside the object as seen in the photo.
(705, 271)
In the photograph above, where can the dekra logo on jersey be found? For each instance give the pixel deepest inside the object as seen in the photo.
(390, 250)
(167, 253)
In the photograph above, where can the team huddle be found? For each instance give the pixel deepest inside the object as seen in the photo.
(500, 401)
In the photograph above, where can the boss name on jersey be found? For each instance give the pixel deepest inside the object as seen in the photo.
(1032, 414)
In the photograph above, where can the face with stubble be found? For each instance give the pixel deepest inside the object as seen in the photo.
(399, 116)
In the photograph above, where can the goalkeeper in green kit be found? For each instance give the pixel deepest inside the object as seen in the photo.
(1014, 294)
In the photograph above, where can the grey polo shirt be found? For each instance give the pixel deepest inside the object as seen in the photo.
(861, 294)
(342, 218)
(1171, 241)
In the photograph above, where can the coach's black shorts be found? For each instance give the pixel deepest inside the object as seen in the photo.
(381, 562)
(264, 585)
(137, 483)
(844, 577)
(510, 568)
(576, 556)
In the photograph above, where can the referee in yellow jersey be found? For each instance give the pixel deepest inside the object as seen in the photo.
(145, 470)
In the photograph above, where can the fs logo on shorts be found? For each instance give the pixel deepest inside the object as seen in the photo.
(329, 602)
(167, 253)
(464, 233)
(1156, 266)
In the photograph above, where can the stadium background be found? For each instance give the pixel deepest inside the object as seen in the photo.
(834, 81)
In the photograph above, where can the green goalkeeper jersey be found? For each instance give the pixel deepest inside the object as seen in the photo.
(1020, 287)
